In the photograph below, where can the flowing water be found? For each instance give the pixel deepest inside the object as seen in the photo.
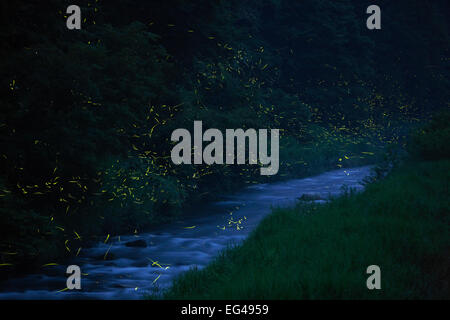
(131, 272)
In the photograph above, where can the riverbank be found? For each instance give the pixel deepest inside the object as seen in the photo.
(400, 223)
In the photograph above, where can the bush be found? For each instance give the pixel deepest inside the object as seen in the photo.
(433, 141)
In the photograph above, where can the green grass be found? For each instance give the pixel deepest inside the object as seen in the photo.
(400, 223)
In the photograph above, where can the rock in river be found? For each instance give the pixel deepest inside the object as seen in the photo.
(136, 243)
(311, 197)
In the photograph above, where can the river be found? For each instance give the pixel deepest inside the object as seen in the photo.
(130, 272)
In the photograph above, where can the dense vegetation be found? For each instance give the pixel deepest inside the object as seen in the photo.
(86, 116)
(400, 223)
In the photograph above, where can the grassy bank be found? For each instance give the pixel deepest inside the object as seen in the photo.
(400, 223)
